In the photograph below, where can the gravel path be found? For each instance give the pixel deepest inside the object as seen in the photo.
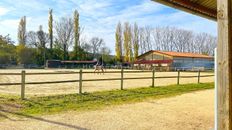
(192, 111)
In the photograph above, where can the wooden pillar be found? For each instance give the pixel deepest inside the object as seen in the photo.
(153, 78)
(199, 76)
(224, 61)
(178, 78)
(80, 81)
(23, 77)
(122, 78)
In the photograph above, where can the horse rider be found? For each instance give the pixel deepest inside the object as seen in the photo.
(100, 62)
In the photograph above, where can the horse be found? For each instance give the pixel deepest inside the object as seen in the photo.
(98, 68)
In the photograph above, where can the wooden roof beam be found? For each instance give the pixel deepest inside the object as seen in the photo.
(191, 7)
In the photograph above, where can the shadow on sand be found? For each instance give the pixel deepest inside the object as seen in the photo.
(5, 113)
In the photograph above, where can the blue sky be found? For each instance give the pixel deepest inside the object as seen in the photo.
(98, 17)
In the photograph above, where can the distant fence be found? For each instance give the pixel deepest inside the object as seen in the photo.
(23, 75)
(91, 66)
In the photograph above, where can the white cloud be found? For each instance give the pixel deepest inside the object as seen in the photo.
(99, 17)
(9, 27)
(3, 11)
(102, 21)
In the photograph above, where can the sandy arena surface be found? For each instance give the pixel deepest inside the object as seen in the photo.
(67, 88)
(192, 111)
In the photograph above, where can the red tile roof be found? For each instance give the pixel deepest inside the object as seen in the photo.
(79, 62)
(183, 54)
(153, 61)
(179, 54)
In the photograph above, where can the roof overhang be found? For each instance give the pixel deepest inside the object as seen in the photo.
(153, 62)
(203, 8)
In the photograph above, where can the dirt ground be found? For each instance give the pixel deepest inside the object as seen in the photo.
(192, 111)
(67, 88)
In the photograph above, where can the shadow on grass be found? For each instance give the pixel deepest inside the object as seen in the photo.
(39, 119)
(4, 116)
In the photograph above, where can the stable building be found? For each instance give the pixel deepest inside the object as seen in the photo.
(166, 61)
(70, 64)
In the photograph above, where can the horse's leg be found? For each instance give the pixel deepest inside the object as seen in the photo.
(94, 69)
(97, 70)
(102, 70)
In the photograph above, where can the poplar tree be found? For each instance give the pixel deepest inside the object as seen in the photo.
(22, 31)
(50, 28)
(42, 40)
(136, 41)
(130, 47)
(126, 45)
(118, 43)
(77, 48)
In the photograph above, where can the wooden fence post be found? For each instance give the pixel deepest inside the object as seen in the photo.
(178, 78)
(80, 82)
(153, 78)
(199, 76)
(122, 78)
(23, 84)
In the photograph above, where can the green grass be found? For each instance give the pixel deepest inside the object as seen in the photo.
(95, 100)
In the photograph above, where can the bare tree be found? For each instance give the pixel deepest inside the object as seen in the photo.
(147, 36)
(37, 39)
(141, 41)
(165, 39)
(180, 40)
(145, 39)
(32, 39)
(96, 43)
(43, 38)
(86, 47)
(157, 36)
(204, 43)
(64, 32)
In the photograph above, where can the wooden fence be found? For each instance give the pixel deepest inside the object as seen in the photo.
(23, 75)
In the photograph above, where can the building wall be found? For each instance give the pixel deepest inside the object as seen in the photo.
(189, 63)
(179, 62)
(154, 56)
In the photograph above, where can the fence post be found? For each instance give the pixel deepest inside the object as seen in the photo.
(80, 82)
(23, 84)
(178, 78)
(122, 78)
(199, 76)
(153, 78)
